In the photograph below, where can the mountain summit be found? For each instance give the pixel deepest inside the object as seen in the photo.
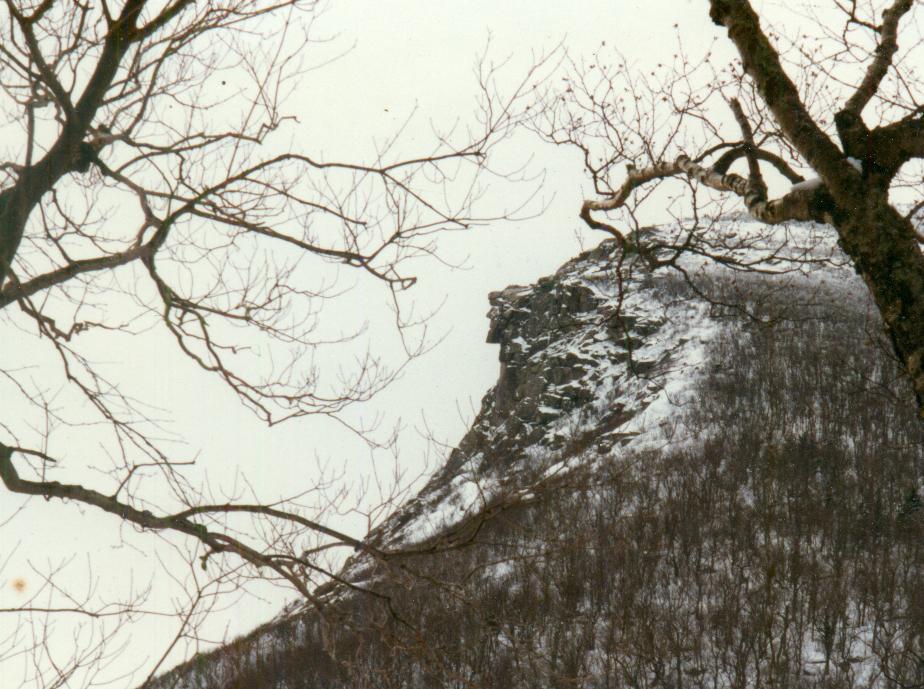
(690, 478)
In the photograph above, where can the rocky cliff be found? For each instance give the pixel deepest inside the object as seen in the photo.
(695, 478)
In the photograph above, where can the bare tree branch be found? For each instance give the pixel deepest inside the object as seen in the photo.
(762, 63)
(885, 51)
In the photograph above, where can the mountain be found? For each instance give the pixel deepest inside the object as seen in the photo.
(700, 476)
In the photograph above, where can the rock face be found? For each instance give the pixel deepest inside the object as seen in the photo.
(559, 339)
(674, 483)
(581, 359)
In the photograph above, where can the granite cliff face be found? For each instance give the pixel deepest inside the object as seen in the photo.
(695, 481)
(585, 364)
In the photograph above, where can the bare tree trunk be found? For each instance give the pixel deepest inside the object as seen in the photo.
(884, 249)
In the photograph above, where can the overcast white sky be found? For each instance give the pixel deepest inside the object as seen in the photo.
(399, 55)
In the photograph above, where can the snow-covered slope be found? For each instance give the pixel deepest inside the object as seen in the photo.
(609, 356)
(630, 408)
(580, 358)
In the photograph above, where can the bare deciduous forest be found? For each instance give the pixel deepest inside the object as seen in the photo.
(701, 464)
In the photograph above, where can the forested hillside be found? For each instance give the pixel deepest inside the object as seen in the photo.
(706, 480)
